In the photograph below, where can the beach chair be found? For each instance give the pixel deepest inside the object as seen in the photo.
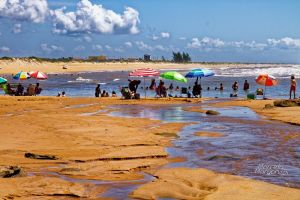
(126, 94)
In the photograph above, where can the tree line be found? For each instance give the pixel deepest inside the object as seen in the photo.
(181, 57)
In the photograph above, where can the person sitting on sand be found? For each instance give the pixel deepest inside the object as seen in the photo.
(31, 90)
(114, 94)
(63, 94)
(106, 94)
(103, 93)
(293, 86)
(10, 90)
(37, 89)
(161, 90)
(97, 91)
(20, 90)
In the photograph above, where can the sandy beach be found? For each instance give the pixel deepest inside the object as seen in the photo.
(9, 67)
(87, 144)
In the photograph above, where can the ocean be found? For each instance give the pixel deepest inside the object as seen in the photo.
(83, 84)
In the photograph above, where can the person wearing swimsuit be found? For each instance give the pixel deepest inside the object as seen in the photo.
(293, 87)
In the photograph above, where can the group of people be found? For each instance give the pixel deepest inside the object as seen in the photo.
(196, 91)
(104, 92)
(31, 90)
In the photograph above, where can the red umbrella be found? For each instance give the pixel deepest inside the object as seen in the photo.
(266, 80)
(144, 72)
(38, 75)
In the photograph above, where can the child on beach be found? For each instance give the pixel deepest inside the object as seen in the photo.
(293, 86)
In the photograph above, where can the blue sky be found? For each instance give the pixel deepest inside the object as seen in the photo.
(209, 30)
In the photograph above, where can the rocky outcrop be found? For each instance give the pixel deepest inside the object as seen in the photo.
(9, 171)
(212, 112)
(287, 103)
(40, 157)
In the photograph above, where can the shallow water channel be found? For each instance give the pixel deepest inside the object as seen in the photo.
(249, 145)
(246, 145)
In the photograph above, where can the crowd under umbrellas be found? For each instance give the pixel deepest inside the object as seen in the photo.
(18, 90)
(194, 76)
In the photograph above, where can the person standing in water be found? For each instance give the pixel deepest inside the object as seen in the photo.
(97, 91)
(246, 87)
(293, 86)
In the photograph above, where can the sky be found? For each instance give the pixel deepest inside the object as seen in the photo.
(209, 30)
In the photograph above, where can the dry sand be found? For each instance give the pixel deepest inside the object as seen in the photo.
(10, 67)
(92, 145)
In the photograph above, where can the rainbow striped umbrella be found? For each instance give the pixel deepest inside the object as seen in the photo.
(266, 80)
(21, 76)
(38, 75)
(144, 72)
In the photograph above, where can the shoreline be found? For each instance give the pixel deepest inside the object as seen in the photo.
(111, 148)
(10, 67)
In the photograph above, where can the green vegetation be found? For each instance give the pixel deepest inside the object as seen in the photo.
(181, 57)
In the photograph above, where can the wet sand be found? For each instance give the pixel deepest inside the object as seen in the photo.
(8, 67)
(91, 145)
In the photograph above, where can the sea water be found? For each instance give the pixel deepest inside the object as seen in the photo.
(84, 83)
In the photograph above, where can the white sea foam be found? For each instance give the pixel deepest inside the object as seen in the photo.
(81, 80)
(277, 71)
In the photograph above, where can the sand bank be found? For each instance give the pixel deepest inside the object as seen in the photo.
(195, 184)
(87, 143)
(90, 145)
(9, 67)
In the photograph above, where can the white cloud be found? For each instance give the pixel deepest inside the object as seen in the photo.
(182, 38)
(154, 37)
(24, 10)
(253, 45)
(119, 50)
(205, 42)
(93, 18)
(17, 28)
(161, 48)
(4, 49)
(87, 38)
(107, 47)
(143, 47)
(165, 35)
(51, 48)
(128, 44)
(79, 48)
(97, 47)
(284, 43)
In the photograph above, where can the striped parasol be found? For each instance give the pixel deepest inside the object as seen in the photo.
(21, 76)
(266, 80)
(38, 75)
(144, 72)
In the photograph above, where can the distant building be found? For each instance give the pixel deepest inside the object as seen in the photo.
(147, 57)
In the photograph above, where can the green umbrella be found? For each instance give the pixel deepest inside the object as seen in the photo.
(174, 76)
(2, 80)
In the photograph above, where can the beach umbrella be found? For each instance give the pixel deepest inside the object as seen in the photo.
(38, 75)
(2, 80)
(144, 72)
(266, 80)
(174, 76)
(199, 73)
(21, 76)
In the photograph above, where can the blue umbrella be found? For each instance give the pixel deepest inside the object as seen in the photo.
(198, 73)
